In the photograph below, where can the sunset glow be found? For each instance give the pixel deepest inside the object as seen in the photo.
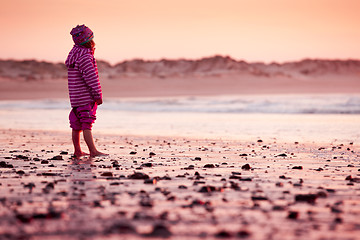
(260, 30)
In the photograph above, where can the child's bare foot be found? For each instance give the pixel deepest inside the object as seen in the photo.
(80, 154)
(98, 154)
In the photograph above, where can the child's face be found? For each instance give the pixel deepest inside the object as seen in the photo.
(92, 43)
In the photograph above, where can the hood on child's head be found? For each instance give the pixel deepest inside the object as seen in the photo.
(81, 35)
(75, 53)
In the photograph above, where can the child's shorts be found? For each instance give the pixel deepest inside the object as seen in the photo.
(83, 117)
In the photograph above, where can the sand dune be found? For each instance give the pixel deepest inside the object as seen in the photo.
(208, 76)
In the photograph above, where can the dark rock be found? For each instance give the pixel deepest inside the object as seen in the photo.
(281, 155)
(248, 179)
(246, 167)
(208, 189)
(198, 202)
(243, 234)
(64, 153)
(338, 220)
(30, 186)
(53, 215)
(23, 218)
(234, 186)
(146, 165)
(259, 198)
(150, 181)
(50, 186)
(190, 167)
(107, 174)
(234, 177)
(322, 194)
(58, 157)
(165, 178)
(278, 208)
(309, 198)
(197, 158)
(356, 180)
(133, 153)
(182, 187)
(96, 204)
(171, 198)
(283, 177)
(259, 141)
(49, 174)
(44, 162)
(159, 230)
(199, 182)
(243, 155)
(297, 167)
(146, 202)
(223, 234)
(5, 165)
(279, 184)
(138, 175)
(20, 172)
(209, 166)
(335, 209)
(152, 154)
(293, 215)
(348, 177)
(121, 228)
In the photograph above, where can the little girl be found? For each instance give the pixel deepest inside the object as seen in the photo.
(84, 88)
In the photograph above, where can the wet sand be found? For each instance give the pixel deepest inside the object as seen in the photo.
(16, 89)
(177, 188)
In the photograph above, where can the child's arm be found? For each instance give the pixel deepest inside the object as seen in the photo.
(89, 71)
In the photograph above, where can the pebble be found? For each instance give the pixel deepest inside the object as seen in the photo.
(223, 234)
(138, 175)
(209, 166)
(121, 228)
(208, 189)
(309, 198)
(244, 234)
(5, 165)
(107, 174)
(159, 230)
(293, 215)
(146, 165)
(246, 167)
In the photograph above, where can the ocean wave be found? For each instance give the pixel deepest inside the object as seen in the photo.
(282, 104)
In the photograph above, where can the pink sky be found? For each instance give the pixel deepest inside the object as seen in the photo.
(251, 30)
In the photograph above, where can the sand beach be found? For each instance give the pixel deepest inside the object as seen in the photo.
(180, 169)
(212, 157)
(177, 188)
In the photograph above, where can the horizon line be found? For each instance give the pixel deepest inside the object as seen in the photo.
(190, 59)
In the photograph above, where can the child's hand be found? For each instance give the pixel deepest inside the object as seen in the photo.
(99, 101)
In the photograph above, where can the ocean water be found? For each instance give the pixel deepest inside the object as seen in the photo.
(318, 118)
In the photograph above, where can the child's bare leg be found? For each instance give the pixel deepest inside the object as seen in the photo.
(91, 145)
(76, 142)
